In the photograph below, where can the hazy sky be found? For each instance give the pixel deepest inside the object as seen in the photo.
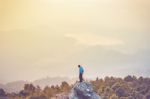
(40, 38)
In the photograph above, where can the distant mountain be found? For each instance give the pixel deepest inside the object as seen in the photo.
(15, 86)
(50, 81)
(18, 85)
(53, 81)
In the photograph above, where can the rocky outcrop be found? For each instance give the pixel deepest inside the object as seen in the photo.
(83, 90)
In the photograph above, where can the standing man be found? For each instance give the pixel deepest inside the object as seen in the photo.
(81, 71)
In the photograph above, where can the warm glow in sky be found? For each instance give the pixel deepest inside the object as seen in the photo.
(40, 38)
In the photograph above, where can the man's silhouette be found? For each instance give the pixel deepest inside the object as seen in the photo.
(81, 71)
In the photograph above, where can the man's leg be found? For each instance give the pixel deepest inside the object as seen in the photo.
(80, 77)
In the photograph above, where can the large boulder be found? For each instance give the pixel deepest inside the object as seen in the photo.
(83, 90)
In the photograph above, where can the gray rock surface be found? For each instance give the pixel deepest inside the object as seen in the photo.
(83, 90)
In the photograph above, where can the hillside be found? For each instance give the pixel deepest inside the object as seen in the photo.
(129, 87)
(17, 86)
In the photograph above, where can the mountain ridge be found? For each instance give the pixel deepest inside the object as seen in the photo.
(17, 86)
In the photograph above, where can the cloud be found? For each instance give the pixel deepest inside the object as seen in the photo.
(94, 40)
